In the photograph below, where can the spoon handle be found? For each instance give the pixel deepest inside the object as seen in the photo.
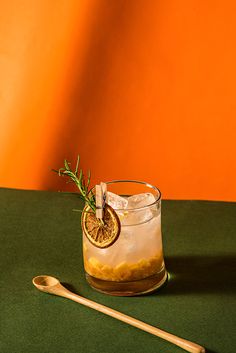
(185, 344)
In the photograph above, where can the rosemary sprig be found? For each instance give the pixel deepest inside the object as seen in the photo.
(78, 178)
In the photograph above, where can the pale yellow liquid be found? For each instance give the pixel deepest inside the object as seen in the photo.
(137, 255)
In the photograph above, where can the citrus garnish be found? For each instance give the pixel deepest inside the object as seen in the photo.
(101, 233)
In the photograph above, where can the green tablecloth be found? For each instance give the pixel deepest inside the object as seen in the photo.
(40, 234)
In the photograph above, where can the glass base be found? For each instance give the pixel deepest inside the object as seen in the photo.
(132, 288)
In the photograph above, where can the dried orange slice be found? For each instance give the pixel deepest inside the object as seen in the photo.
(101, 233)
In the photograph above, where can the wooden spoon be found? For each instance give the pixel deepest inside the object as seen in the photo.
(52, 285)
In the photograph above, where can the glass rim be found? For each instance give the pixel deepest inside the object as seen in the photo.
(137, 182)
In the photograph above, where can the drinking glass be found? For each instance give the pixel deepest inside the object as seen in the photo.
(134, 264)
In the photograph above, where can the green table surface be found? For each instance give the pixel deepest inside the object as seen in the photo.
(40, 234)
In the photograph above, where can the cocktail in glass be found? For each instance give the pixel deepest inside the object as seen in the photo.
(134, 263)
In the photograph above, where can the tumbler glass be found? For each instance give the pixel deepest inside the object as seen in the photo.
(134, 264)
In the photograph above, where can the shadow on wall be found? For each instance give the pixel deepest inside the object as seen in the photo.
(86, 97)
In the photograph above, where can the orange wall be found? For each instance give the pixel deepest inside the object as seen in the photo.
(141, 89)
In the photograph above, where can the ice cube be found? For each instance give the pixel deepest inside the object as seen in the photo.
(115, 201)
(133, 217)
(143, 215)
(141, 200)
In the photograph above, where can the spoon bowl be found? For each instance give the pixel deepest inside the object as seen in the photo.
(47, 284)
(52, 285)
(45, 281)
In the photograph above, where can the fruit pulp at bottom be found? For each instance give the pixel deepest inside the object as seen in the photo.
(129, 288)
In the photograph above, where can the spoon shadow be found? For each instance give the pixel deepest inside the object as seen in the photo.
(70, 287)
